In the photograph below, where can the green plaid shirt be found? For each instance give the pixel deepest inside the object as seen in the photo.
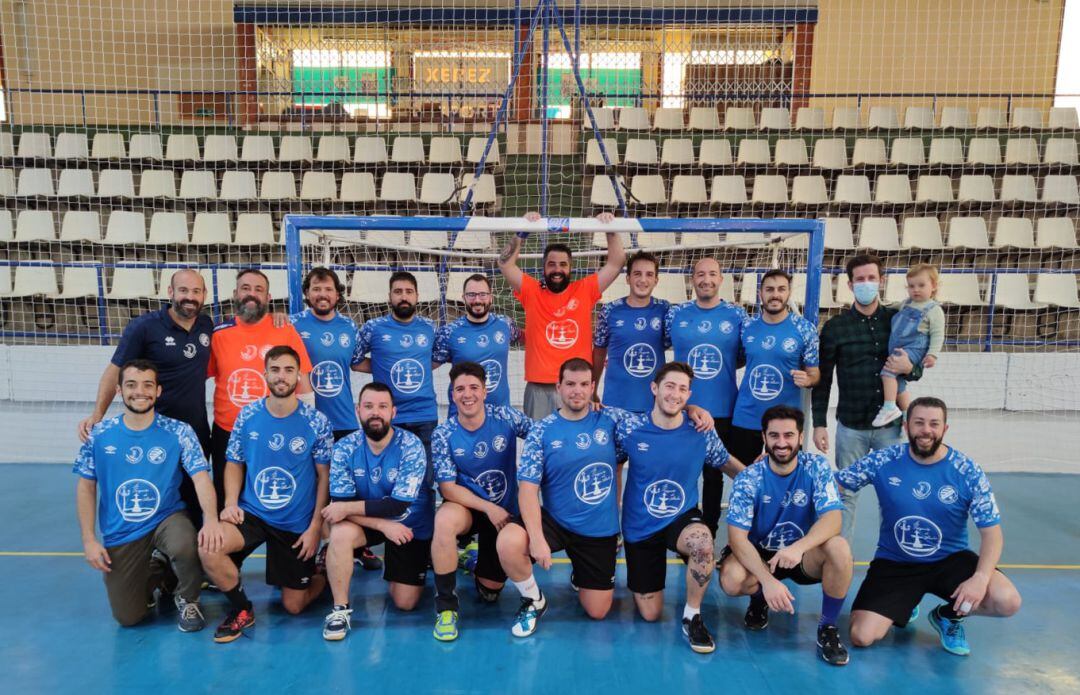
(856, 345)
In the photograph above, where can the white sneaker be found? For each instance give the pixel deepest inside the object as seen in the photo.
(886, 415)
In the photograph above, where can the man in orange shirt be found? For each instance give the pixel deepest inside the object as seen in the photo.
(558, 313)
(237, 349)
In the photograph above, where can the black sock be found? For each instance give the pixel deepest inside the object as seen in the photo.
(446, 592)
(757, 599)
(946, 611)
(238, 598)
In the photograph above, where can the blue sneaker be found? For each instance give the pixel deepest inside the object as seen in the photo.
(467, 557)
(951, 632)
(446, 626)
(528, 616)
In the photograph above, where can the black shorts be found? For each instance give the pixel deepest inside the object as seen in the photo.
(592, 560)
(487, 556)
(745, 445)
(646, 560)
(403, 564)
(893, 589)
(283, 567)
(796, 574)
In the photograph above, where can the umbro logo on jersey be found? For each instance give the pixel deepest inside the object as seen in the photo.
(386, 337)
(459, 452)
(462, 340)
(766, 499)
(110, 449)
(619, 323)
(170, 341)
(305, 334)
(895, 481)
(556, 443)
(683, 324)
(253, 436)
(643, 446)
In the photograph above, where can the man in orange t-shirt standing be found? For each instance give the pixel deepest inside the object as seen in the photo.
(237, 349)
(558, 313)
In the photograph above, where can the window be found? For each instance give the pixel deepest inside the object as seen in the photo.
(358, 80)
(674, 71)
(611, 79)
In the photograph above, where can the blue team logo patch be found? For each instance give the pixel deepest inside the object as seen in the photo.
(327, 379)
(768, 342)
(392, 475)
(639, 360)
(482, 341)
(421, 340)
(947, 494)
(376, 474)
(499, 443)
(493, 483)
(407, 375)
(406, 340)
(799, 498)
(344, 340)
(706, 361)
(917, 536)
(137, 500)
(726, 326)
(480, 451)
(593, 483)
(782, 535)
(274, 487)
(492, 374)
(277, 442)
(790, 345)
(500, 337)
(582, 441)
(640, 323)
(327, 339)
(704, 327)
(655, 323)
(664, 498)
(922, 490)
(156, 455)
(134, 455)
(600, 437)
(765, 381)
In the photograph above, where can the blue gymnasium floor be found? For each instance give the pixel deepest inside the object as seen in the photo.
(57, 634)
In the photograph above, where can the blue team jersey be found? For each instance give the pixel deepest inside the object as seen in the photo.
(777, 510)
(708, 340)
(663, 472)
(573, 462)
(772, 351)
(485, 460)
(279, 455)
(331, 345)
(924, 508)
(634, 338)
(397, 473)
(401, 357)
(138, 474)
(486, 343)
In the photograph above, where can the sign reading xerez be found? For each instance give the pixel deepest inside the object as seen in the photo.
(436, 73)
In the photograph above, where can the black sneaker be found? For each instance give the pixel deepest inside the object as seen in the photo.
(830, 647)
(368, 560)
(234, 625)
(757, 616)
(700, 639)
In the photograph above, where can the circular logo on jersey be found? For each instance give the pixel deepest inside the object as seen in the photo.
(726, 326)
(922, 490)
(406, 340)
(706, 361)
(407, 375)
(640, 323)
(500, 337)
(664, 498)
(483, 341)
(157, 455)
(204, 340)
(499, 443)
(600, 437)
(134, 454)
(245, 386)
(704, 326)
(593, 483)
(421, 340)
(344, 340)
(327, 338)
(493, 483)
(639, 360)
(137, 499)
(480, 451)
(562, 334)
(947, 494)
(654, 323)
(249, 352)
(297, 445)
(768, 342)
(765, 382)
(798, 498)
(492, 374)
(790, 345)
(190, 350)
(327, 378)
(782, 535)
(274, 487)
(376, 474)
(276, 442)
(583, 441)
(917, 536)
(391, 475)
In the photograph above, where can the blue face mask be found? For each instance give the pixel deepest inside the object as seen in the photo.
(865, 292)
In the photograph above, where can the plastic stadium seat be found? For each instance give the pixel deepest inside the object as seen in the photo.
(166, 275)
(846, 118)
(437, 189)
(79, 283)
(71, 146)
(892, 189)
(32, 281)
(35, 145)
(844, 295)
(739, 118)
(476, 151)
(634, 118)
(791, 152)
(984, 151)
(689, 190)
(145, 146)
(1060, 151)
(895, 288)
(238, 185)
(471, 241)
(1054, 232)
(385, 237)
(179, 148)
(808, 118)
(775, 118)
(968, 233)
(1063, 117)
(257, 148)
(75, 183)
(333, 148)
(852, 189)
(369, 286)
(1057, 289)
(883, 117)
(594, 156)
(7, 227)
(825, 293)
(715, 153)
(605, 119)
(278, 185)
(157, 184)
(989, 117)
(907, 152)
(976, 188)
(125, 227)
(81, 225)
(921, 233)
(919, 117)
(769, 189)
(254, 229)
(656, 240)
(1019, 188)
(318, 185)
(219, 148)
(7, 182)
(1021, 151)
(668, 119)
(946, 151)
(116, 183)
(198, 184)
(830, 153)
(728, 190)
(1059, 188)
(35, 225)
(407, 150)
(1013, 291)
(35, 182)
(868, 151)
(444, 150)
(704, 118)
(648, 190)
(7, 144)
(809, 190)
(278, 283)
(1023, 117)
(955, 117)
(398, 188)
(167, 228)
(427, 283)
(132, 283)
(672, 287)
(748, 289)
(934, 189)
(677, 152)
(641, 152)
(754, 152)
(879, 233)
(358, 187)
(700, 239)
(296, 148)
(960, 289)
(211, 228)
(603, 193)
(1014, 232)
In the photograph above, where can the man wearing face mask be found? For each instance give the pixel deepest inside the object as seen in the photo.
(856, 344)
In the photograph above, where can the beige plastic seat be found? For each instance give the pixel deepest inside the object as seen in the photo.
(257, 148)
(278, 282)
(688, 190)
(700, 239)
(132, 283)
(1014, 232)
(895, 288)
(641, 152)
(852, 189)
(1026, 117)
(830, 153)
(145, 146)
(470, 241)
(35, 145)
(116, 183)
(846, 118)
(605, 119)
(728, 190)
(879, 233)
(883, 117)
(1057, 289)
(71, 146)
(1062, 117)
(809, 190)
(808, 118)
(921, 233)
(254, 229)
(1018, 188)
(1055, 233)
(714, 153)
(198, 184)
(437, 189)
(946, 151)
(407, 150)
(296, 148)
(960, 289)
(754, 152)
(33, 281)
(444, 150)
(769, 189)
(603, 192)
(1060, 151)
(35, 225)
(369, 286)
(825, 293)
(976, 188)
(634, 118)
(125, 227)
(167, 228)
(892, 189)
(838, 234)
(907, 152)
(594, 156)
(182, 147)
(358, 187)
(791, 152)
(398, 188)
(210, 229)
(427, 284)
(1013, 291)
(7, 183)
(844, 295)
(671, 287)
(476, 151)
(1060, 188)
(75, 183)
(1021, 151)
(220, 148)
(919, 117)
(81, 225)
(333, 148)
(986, 151)
(739, 118)
(157, 184)
(968, 233)
(990, 117)
(955, 117)
(238, 185)
(7, 147)
(648, 190)
(704, 118)
(775, 118)
(934, 189)
(668, 119)
(278, 185)
(868, 151)
(79, 283)
(656, 240)
(318, 185)
(748, 288)
(7, 226)
(36, 182)
(677, 152)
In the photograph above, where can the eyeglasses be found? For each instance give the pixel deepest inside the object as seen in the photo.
(477, 295)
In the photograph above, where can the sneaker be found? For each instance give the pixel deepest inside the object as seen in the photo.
(369, 560)
(466, 561)
(829, 646)
(189, 618)
(485, 594)
(914, 616)
(700, 639)
(887, 414)
(953, 637)
(234, 625)
(446, 626)
(757, 616)
(528, 616)
(337, 624)
(573, 585)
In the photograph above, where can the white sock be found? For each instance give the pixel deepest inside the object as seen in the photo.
(528, 588)
(688, 612)
(888, 405)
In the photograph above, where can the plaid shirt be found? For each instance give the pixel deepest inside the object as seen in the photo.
(856, 345)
